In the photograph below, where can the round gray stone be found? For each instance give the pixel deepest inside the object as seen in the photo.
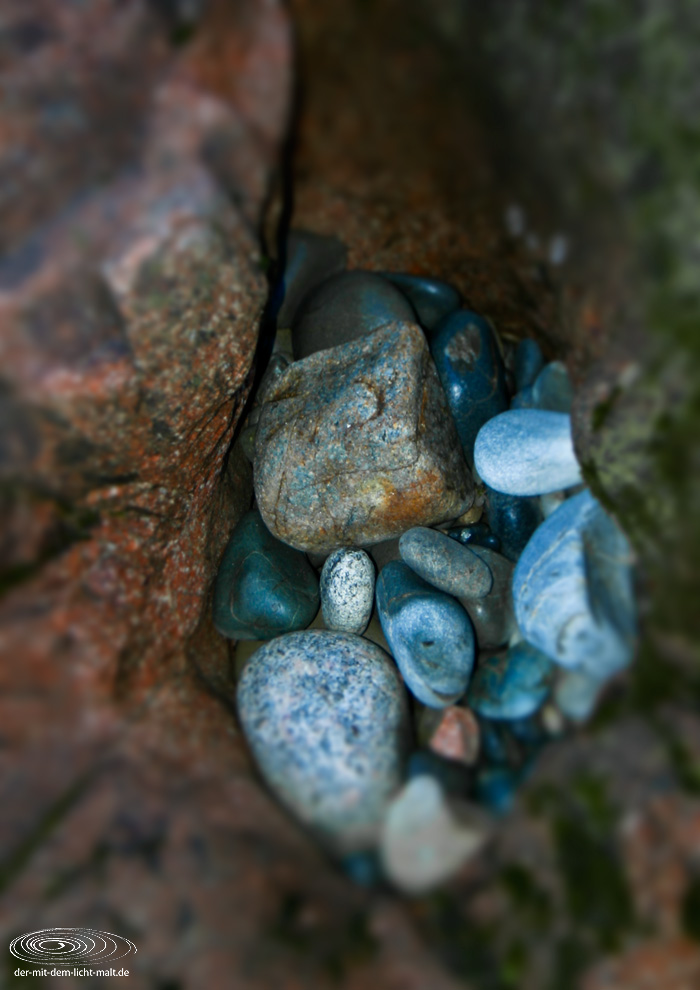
(347, 590)
(325, 716)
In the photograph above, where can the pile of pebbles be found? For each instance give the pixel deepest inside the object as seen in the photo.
(425, 593)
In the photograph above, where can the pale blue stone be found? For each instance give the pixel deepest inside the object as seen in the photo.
(573, 590)
(576, 694)
(511, 685)
(429, 633)
(445, 563)
(527, 452)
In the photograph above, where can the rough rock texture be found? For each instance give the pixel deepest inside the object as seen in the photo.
(355, 445)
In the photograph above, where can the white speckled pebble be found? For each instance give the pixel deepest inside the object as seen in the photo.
(347, 590)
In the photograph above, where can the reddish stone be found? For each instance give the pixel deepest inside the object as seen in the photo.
(455, 735)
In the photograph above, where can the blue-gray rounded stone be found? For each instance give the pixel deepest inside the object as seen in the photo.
(347, 306)
(263, 587)
(445, 563)
(511, 685)
(527, 452)
(469, 364)
(310, 259)
(431, 298)
(429, 633)
(347, 590)
(326, 718)
(573, 589)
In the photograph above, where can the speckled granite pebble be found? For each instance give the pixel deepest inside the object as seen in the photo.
(573, 589)
(310, 259)
(431, 298)
(511, 685)
(527, 452)
(356, 445)
(345, 307)
(493, 617)
(263, 587)
(430, 635)
(325, 716)
(347, 590)
(471, 371)
(445, 563)
(422, 842)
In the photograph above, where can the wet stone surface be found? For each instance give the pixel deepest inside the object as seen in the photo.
(355, 445)
(445, 563)
(347, 590)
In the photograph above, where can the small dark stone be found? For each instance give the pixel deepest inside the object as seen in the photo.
(431, 298)
(264, 587)
(344, 307)
(479, 534)
(311, 258)
(529, 361)
(454, 777)
(469, 364)
(513, 519)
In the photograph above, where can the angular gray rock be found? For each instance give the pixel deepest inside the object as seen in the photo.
(356, 445)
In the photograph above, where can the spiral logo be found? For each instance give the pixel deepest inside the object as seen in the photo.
(70, 945)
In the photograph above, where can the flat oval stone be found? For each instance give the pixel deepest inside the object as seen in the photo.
(422, 843)
(511, 685)
(478, 533)
(325, 716)
(469, 364)
(573, 591)
(445, 563)
(513, 519)
(431, 298)
(492, 616)
(263, 587)
(347, 590)
(345, 307)
(356, 444)
(310, 260)
(430, 635)
(527, 452)
(529, 361)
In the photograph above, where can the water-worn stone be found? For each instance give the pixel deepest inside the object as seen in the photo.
(347, 590)
(479, 533)
(431, 298)
(513, 520)
(552, 389)
(422, 843)
(263, 587)
(430, 635)
(445, 563)
(511, 685)
(573, 591)
(452, 733)
(527, 452)
(492, 616)
(347, 306)
(310, 259)
(576, 693)
(471, 371)
(325, 716)
(356, 445)
(529, 361)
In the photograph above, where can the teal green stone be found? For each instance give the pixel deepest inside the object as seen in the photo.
(264, 587)
(431, 298)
